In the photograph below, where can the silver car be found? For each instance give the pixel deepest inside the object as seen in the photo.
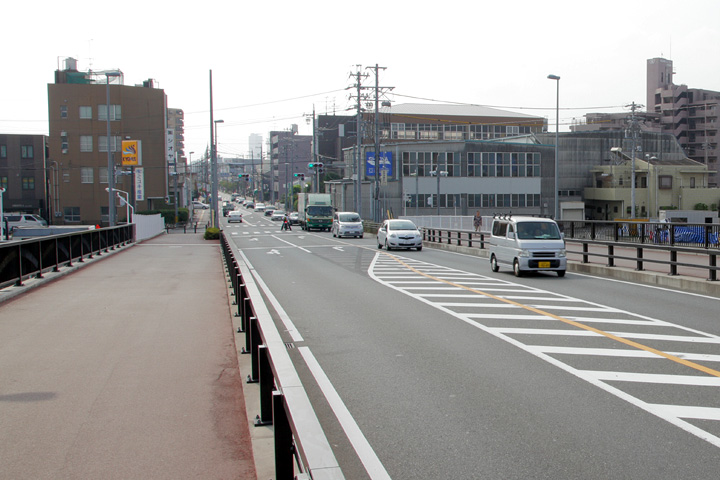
(399, 234)
(347, 224)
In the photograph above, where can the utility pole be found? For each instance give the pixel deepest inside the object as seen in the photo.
(633, 129)
(358, 161)
(377, 210)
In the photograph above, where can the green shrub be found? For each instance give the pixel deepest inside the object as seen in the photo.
(701, 206)
(169, 214)
(212, 233)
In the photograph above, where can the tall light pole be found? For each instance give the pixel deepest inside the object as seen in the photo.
(557, 128)
(186, 169)
(111, 167)
(2, 217)
(214, 194)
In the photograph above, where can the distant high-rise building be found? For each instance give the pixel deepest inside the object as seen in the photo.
(691, 114)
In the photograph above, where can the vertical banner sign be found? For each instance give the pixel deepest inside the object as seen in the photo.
(385, 164)
(131, 153)
(170, 146)
(139, 184)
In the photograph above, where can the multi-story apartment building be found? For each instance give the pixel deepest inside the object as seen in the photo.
(290, 154)
(79, 114)
(23, 174)
(179, 170)
(691, 114)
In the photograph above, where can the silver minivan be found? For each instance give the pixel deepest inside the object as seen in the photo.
(24, 220)
(527, 244)
(347, 224)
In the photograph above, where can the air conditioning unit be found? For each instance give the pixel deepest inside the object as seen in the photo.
(64, 151)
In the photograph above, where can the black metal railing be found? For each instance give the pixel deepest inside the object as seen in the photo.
(23, 259)
(609, 243)
(298, 437)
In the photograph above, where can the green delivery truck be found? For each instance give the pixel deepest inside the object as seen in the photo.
(315, 211)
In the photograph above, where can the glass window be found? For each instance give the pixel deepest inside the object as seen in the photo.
(3, 151)
(26, 151)
(63, 111)
(72, 214)
(86, 175)
(86, 143)
(114, 112)
(114, 143)
(85, 112)
(4, 183)
(28, 183)
(102, 175)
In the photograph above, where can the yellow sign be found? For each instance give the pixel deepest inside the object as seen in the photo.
(131, 154)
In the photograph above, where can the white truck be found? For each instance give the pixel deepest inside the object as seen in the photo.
(315, 211)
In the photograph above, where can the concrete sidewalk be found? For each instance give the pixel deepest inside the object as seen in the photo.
(125, 369)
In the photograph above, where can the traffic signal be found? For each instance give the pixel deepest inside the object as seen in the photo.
(320, 167)
(311, 165)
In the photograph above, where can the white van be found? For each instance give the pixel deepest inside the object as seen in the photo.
(347, 224)
(527, 244)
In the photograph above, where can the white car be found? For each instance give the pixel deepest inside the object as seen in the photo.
(234, 216)
(347, 224)
(277, 216)
(399, 234)
(259, 207)
(200, 205)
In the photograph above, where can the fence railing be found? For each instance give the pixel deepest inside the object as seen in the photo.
(610, 243)
(22, 259)
(298, 437)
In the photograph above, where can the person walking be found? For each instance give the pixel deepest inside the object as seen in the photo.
(477, 221)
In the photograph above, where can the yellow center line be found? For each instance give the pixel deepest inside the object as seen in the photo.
(582, 326)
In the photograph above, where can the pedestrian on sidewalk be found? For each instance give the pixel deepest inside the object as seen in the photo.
(477, 221)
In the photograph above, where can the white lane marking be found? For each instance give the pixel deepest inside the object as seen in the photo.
(701, 413)
(291, 244)
(289, 325)
(369, 459)
(688, 380)
(665, 414)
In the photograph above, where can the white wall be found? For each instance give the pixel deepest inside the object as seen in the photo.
(148, 226)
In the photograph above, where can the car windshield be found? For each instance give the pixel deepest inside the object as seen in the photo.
(402, 225)
(538, 231)
(349, 217)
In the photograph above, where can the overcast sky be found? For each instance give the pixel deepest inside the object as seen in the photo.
(272, 62)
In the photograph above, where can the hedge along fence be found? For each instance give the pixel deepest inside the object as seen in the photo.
(169, 215)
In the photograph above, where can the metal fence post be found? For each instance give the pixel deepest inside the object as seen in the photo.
(284, 449)
(267, 382)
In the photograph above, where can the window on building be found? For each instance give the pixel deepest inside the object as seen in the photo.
(26, 151)
(85, 112)
(102, 175)
(63, 111)
(3, 151)
(4, 183)
(474, 164)
(665, 182)
(115, 142)
(86, 175)
(86, 143)
(72, 214)
(114, 112)
(64, 144)
(28, 183)
(692, 182)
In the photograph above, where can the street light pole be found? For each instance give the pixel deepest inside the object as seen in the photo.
(214, 194)
(111, 167)
(2, 217)
(557, 128)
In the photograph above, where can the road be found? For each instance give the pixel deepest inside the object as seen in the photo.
(428, 365)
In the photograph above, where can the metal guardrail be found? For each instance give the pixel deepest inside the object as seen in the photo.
(22, 259)
(299, 439)
(612, 236)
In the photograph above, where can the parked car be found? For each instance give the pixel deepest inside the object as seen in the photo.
(277, 216)
(294, 218)
(234, 216)
(399, 234)
(200, 205)
(347, 224)
(23, 220)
